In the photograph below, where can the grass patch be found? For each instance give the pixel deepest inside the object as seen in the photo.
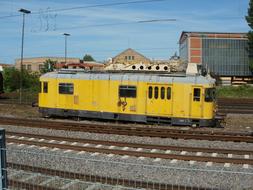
(244, 91)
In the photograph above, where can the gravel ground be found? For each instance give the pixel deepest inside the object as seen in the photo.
(181, 172)
(197, 175)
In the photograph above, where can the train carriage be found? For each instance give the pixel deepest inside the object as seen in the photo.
(129, 96)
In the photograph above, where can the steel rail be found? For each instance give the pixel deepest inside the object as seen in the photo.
(135, 153)
(132, 145)
(103, 179)
(28, 186)
(130, 130)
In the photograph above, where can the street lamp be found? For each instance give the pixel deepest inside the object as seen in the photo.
(66, 35)
(24, 12)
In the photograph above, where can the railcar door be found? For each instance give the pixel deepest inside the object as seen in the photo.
(65, 95)
(159, 100)
(196, 99)
(127, 99)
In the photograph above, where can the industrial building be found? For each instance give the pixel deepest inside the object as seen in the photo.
(224, 55)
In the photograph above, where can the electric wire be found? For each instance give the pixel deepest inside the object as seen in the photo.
(86, 7)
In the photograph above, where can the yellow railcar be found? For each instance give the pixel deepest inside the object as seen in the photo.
(129, 96)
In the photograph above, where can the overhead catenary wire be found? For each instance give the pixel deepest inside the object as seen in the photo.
(86, 7)
(117, 23)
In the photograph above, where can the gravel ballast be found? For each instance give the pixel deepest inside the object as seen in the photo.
(181, 172)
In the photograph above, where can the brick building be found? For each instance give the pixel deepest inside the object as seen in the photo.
(223, 54)
(130, 56)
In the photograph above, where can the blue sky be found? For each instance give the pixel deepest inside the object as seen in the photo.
(157, 40)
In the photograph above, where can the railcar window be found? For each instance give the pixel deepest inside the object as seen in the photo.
(162, 93)
(196, 94)
(150, 92)
(168, 93)
(45, 87)
(40, 88)
(66, 88)
(156, 92)
(209, 95)
(127, 91)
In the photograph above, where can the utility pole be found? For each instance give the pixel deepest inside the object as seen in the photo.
(66, 35)
(24, 11)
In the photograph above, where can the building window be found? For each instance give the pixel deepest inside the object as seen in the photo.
(66, 88)
(45, 87)
(127, 91)
(132, 57)
(168, 93)
(125, 57)
(41, 67)
(196, 94)
(150, 92)
(29, 67)
(156, 92)
(24, 67)
(129, 57)
(162, 93)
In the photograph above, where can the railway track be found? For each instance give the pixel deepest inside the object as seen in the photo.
(235, 105)
(131, 149)
(160, 132)
(89, 178)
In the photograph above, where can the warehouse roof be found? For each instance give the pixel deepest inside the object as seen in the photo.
(238, 35)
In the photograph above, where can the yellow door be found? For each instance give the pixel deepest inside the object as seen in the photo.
(159, 100)
(65, 95)
(196, 102)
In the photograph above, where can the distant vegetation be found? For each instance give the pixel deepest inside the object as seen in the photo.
(244, 91)
(249, 20)
(88, 57)
(49, 66)
(11, 75)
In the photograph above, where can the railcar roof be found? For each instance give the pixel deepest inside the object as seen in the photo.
(131, 76)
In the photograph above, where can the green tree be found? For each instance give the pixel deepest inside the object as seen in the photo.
(88, 57)
(11, 77)
(249, 20)
(49, 66)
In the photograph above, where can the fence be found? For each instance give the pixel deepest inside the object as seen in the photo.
(28, 98)
(52, 169)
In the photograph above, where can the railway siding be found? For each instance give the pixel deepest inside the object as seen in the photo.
(138, 151)
(131, 131)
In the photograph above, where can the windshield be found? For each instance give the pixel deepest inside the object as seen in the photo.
(209, 94)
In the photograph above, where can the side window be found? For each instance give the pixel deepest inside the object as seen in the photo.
(162, 93)
(196, 94)
(127, 91)
(209, 95)
(156, 92)
(150, 92)
(45, 87)
(168, 93)
(40, 87)
(66, 88)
